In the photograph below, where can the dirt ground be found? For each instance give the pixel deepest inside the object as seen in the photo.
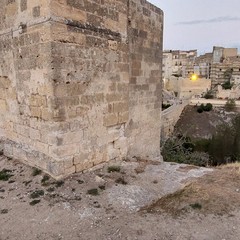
(202, 125)
(139, 200)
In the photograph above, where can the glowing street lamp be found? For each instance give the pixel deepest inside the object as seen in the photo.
(194, 77)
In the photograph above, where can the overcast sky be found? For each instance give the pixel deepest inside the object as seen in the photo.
(200, 24)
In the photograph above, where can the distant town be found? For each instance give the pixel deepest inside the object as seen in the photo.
(216, 73)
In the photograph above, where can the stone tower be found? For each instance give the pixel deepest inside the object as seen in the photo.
(80, 82)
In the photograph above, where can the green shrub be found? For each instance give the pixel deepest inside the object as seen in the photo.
(208, 107)
(45, 180)
(114, 169)
(93, 192)
(202, 145)
(182, 150)
(80, 181)
(34, 202)
(4, 211)
(59, 183)
(5, 174)
(222, 148)
(228, 74)
(225, 144)
(37, 194)
(209, 95)
(121, 181)
(51, 189)
(227, 85)
(102, 187)
(36, 171)
(196, 206)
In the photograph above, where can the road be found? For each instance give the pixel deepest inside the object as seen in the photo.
(214, 102)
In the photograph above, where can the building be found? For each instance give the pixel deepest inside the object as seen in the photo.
(80, 82)
(221, 65)
(225, 65)
(221, 53)
(178, 66)
(202, 65)
(185, 88)
(178, 63)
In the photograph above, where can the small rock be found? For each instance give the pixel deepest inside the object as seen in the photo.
(99, 179)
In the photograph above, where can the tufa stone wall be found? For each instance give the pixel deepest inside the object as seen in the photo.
(80, 82)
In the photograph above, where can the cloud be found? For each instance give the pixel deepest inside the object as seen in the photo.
(213, 20)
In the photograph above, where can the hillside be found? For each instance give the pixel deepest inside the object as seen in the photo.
(201, 125)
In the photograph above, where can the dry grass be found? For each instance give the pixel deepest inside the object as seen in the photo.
(232, 166)
(215, 193)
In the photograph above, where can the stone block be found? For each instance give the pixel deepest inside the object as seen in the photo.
(5, 82)
(37, 101)
(123, 117)
(61, 152)
(69, 171)
(56, 169)
(110, 120)
(46, 114)
(68, 163)
(23, 5)
(59, 8)
(35, 112)
(11, 9)
(84, 165)
(36, 11)
(19, 153)
(34, 134)
(42, 147)
(3, 106)
(8, 150)
(71, 137)
(81, 158)
(120, 107)
(67, 90)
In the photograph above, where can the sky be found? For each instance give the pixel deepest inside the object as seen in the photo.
(200, 24)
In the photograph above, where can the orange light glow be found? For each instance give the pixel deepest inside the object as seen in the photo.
(194, 77)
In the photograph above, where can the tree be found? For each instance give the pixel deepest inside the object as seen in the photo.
(181, 149)
(236, 139)
(225, 144)
(209, 95)
(207, 108)
(220, 148)
(227, 85)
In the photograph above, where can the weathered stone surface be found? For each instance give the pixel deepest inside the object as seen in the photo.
(80, 82)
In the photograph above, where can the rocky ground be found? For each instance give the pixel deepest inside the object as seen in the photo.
(129, 200)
